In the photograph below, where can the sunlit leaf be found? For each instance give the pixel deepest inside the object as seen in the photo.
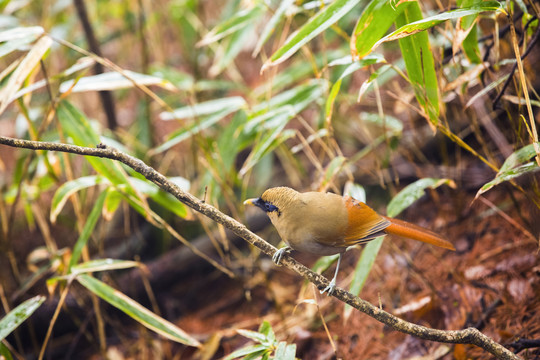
(168, 201)
(271, 25)
(285, 351)
(19, 315)
(23, 70)
(267, 143)
(332, 169)
(357, 65)
(413, 192)
(193, 129)
(415, 26)
(204, 108)
(87, 230)
(257, 350)
(75, 125)
(238, 21)
(374, 22)
(136, 311)
(102, 265)
(416, 52)
(315, 25)
(114, 81)
(515, 165)
(69, 188)
(18, 38)
(228, 50)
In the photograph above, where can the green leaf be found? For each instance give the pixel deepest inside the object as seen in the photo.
(519, 157)
(470, 46)
(248, 350)
(204, 108)
(75, 125)
(368, 60)
(253, 335)
(375, 20)
(413, 192)
(323, 263)
(415, 26)
(332, 169)
(268, 332)
(285, 351)
(238, 21)
(137, 311)
(87, 230)
(23, 70)
(420, 65)
(229, 49)
(363, 268)
(69, 188)
(114, 81)
(168, 201)
(515, 165)
(266, 144)
(102, 265)
(112, 202)
(195, 128)
(317, 24)
(5, 354)
(18, 38)
(272, 24)
(19, 315)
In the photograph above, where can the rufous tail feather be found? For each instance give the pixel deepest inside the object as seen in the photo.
(415, 232)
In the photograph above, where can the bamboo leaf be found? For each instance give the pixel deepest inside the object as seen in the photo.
(88, 229)
(204, 108)
(416, 52)
(317, 24)
(514, 166)
(79, 129)
(272, 24)
(413, 192)
(19, 315)
(374, 22)
(69, 188)
(114, 81)
(422, 24)
(238, 21)
(362, 270)
(137, 311)
(22, 71)
(102, 265)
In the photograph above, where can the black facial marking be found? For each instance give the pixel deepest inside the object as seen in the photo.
(266, 206)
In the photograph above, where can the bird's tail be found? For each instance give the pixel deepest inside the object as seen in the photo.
(415, 232)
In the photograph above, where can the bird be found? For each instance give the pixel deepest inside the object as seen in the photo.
(327, 224)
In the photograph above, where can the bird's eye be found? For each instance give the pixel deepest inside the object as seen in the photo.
(269, 207)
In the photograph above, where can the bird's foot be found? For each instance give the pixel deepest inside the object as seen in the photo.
(278, 255)
(329, 290)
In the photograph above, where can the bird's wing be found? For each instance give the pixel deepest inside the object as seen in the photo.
(364, 223)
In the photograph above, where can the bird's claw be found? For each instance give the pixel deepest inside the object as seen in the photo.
(329, 290)
(278, 255)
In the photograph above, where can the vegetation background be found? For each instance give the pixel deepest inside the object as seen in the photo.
(427, 110)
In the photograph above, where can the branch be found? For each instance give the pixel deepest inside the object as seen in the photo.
(467, 336)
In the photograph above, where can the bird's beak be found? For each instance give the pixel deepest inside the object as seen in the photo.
(251, 201)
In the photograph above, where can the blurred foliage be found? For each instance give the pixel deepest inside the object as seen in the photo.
(233, 97)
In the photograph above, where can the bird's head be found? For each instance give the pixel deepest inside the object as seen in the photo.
(275, 201)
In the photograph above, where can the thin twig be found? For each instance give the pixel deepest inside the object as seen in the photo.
(466, 336)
